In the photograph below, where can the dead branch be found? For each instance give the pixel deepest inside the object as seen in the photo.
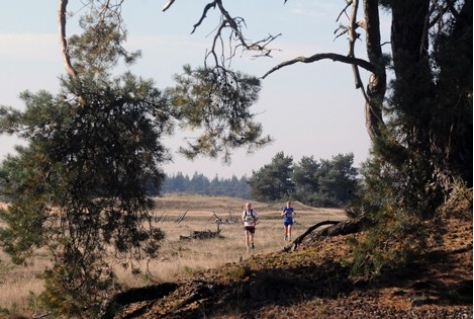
(294, 245)
(203, 16)
(167, 5)
(321, 56)
(181, 237)
(181, 217)
(343, 11)
(161, 218)
(235, 24)
(218, 220)
(336, 228)
(199, 291)
(201, 234)
(135, 295)
(353, 36)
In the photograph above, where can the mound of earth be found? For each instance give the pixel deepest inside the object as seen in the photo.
(313, 282)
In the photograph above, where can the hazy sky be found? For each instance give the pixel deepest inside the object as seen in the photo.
(309, 109)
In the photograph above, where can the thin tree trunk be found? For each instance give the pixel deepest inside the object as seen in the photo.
(63, 40)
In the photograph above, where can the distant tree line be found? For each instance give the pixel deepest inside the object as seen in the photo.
(200, 184)
(324, 183)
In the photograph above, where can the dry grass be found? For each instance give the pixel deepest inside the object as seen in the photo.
(19, 282)
(314, 282)
(179, 259)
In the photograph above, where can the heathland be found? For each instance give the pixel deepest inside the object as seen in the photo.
(218, 278)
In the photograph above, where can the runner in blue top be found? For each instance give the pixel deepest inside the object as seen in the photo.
(288, 212)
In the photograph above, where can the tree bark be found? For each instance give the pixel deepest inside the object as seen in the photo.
(63, 40)
(377, 85)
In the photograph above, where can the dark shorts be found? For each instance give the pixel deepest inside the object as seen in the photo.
(287, 223)
(250, 229)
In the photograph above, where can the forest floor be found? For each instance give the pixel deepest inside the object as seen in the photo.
(314, 282)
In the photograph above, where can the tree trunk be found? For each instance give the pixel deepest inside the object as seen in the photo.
(62, 38)
(377, 85)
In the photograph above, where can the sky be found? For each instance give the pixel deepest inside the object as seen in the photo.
(308, 109)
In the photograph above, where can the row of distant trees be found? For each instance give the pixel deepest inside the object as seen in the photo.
(328, 183)
(200, 184)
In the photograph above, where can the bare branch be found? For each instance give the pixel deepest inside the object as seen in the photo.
(107, 11)
(352, 38)
(102, 13)
(343, 11)
(235, 25)
(167, 5)
(206, 8)
(321, 56)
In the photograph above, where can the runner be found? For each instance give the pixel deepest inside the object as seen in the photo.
(288, 212)
(249, 218)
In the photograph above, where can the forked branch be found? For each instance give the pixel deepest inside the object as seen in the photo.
(236, 39)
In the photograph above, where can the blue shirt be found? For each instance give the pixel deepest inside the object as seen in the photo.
(288, 214)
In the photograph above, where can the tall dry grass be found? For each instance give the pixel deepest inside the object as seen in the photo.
(178, 259)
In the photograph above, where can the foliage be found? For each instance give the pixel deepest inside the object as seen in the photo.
(98, 49)
(329, 183)
(387, 220)
(392, 211)
(304, 176)
(79, 187)
(418, 125)
(216, 102)
(422, 152)
(430, 105)
(273, 181)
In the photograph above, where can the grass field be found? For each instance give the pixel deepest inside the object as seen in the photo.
(178, 259)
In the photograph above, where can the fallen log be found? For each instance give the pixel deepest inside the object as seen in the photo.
(345, 227)
(135, 295)
(201, 234)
